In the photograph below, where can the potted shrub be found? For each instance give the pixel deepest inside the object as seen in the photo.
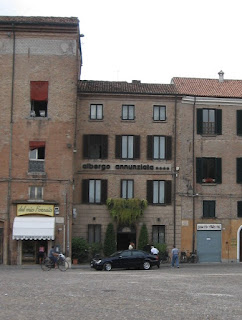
(79, 250)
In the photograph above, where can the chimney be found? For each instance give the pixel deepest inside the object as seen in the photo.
(136, 81)
(221, 76)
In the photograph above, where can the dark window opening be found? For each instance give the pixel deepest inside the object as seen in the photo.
(208, 209)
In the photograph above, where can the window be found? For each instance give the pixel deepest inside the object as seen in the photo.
(96, 112)
(209, 121)
(127, 189)
(127, 112)
(239, 122)
(94, 191)
(208, 209)
(158, 234)
(209, 170)
(94, 233)
(239, 209)
(95, 146)
(159, 192)
(35, 193)
(159, 147)
(127, 147)
(159, 113)
(39, 98)
(36, 156)
(239, 170)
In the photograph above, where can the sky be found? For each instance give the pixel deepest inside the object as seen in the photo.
(149, 40)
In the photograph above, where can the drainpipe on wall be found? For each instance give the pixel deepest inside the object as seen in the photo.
(175, 174)
(193, 176)
(10, 155)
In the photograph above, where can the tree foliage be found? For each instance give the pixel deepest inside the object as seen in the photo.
(143, 237)
(109, 241)
(126, 211)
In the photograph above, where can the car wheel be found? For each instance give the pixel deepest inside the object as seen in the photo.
(107, 267)
(146, 265)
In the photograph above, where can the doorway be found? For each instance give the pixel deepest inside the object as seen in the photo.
(125, 235)
(30, 250)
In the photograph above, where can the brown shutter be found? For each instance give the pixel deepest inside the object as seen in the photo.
(150, 147)
(85, 146)
(136, 147)
(168, 148)
(118, 147)
(149, 191)
(104, 191)
(168, 192)
(85, 191)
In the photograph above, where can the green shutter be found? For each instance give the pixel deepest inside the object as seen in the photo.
(199, 121)
(149, 191)
(150, 147)
(168, 148)
(218, 121)
(218, 168)
(239, 170)
(239, 122)
(199, 173)
(118, 147)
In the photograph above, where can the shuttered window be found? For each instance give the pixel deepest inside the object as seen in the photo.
(209, 209)
(239, 122)
(95, 146)
(209, 170)
(159, 192)
(94, 191)
(159, 147)
(239, 203)
(127, 147)
(209, 121)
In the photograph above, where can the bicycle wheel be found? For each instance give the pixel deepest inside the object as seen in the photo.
(46, 264)
(63, 265)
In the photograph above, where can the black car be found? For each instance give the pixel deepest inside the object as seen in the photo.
(126, 259)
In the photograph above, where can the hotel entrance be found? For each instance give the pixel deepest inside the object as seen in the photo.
(125, 235)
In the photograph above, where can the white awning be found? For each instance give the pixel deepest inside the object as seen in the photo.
(34, 228)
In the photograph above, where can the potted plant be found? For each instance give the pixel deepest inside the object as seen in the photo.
(79, 250)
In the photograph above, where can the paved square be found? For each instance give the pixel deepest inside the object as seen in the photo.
(191, 292)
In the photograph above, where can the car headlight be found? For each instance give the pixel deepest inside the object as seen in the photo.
(99, 261)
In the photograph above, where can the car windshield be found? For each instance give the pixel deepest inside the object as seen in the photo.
(116, 254)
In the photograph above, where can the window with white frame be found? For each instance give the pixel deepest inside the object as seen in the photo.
(159, 113)
(96, 111)
(159, 192)
(35, 193)
(127, 147)
(36, 156)
(94, 191)
(127, 189)
(128, 112)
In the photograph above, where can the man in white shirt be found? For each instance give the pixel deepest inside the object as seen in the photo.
(154, 250)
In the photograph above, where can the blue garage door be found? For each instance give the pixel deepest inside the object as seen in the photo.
(209, 246)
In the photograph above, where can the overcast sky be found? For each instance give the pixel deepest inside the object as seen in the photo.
(149, 40)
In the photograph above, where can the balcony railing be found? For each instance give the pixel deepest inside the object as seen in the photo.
(36, 166)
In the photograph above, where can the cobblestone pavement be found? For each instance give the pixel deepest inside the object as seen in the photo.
(191, 292)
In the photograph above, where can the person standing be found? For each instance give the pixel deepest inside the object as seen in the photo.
(154, 250)
(175, 257)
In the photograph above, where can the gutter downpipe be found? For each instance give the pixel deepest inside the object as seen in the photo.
(10, 153)
(193, 177)
(175, 174)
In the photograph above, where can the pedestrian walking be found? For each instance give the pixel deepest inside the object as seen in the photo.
(175, 257)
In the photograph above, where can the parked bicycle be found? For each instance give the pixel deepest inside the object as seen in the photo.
(193, 258)
(183, 257)
(164, 257)
(61, 263)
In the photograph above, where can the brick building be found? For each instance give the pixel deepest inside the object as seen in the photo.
(209, 153)
(126, 148)
(40, 66)
(68, 145)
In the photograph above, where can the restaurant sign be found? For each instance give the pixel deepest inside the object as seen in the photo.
(34, 209)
